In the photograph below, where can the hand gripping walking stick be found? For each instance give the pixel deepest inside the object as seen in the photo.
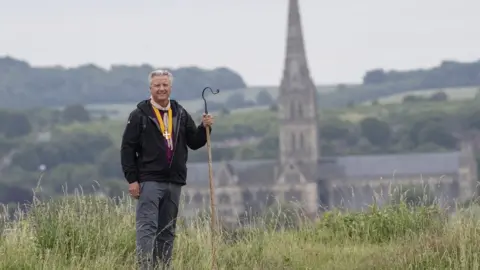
(212, 186)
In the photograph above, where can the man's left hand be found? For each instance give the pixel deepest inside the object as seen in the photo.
(207, 120)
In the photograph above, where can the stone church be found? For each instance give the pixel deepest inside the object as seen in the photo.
(301, 175)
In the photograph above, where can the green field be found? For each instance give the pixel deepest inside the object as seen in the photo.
(457, 93)
(94, 233)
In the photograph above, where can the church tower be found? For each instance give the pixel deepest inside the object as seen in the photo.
(297, 98)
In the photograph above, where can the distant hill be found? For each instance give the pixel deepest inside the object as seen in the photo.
(22, 84)
(379, 83)
(121, 86)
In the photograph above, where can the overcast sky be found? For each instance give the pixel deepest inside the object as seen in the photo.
(344, 38)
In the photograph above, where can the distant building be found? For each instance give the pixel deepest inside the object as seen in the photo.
(300, 174)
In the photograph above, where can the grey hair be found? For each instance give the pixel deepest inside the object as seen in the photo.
(160, 72)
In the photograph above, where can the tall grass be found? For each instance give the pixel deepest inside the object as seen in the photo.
(86, 232)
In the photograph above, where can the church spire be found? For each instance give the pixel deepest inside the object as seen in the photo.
(295, 63)
(297, 98)
(295, 46)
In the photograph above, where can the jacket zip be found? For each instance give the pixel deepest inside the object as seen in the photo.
(177, 129)
(156, 123)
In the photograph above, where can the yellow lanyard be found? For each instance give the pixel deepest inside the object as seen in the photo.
(166, 134)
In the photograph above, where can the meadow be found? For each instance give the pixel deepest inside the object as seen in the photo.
(86, 232)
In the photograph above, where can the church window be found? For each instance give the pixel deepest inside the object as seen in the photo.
(302, 141)
(293, 142)
(247, 196)
(197, 199)
(265, 198)
(295, 74)
(292, 177)
(261, 195)
(296, 109)
(271, 199)
(293, 196)
(251, 206)
(300, 109)
(225, 212)
(338, 197)
(292, 110)
(455, 188)
(223, 199)
(223, 178)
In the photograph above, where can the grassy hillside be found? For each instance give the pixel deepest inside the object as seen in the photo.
(94, 233)
(456, 93)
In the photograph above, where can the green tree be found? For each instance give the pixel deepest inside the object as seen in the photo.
(374, 76)
(235, 101)
(419, 123)
(14, 124)
(434, 132)
(412, 98)
(75, 113)
(376, 131)
(109, 163)
(473, 120)
(65, 178)
(264, 98)
(439, 96)
(78, 148)
(334, 129)
(12, 193)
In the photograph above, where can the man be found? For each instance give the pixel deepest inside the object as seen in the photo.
(153, 156)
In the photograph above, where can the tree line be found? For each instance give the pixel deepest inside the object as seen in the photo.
(24, 85)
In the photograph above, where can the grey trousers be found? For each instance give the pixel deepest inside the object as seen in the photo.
(156, 216)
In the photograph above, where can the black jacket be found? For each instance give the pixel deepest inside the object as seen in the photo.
(143, 149)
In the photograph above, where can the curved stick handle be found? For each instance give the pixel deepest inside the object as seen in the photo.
(212, 185)
(203, 96)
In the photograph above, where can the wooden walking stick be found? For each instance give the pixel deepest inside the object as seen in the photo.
(213, 220)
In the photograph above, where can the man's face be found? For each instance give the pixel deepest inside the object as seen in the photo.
(160, 88)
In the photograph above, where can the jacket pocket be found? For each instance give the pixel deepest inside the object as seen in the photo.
(150, 149)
